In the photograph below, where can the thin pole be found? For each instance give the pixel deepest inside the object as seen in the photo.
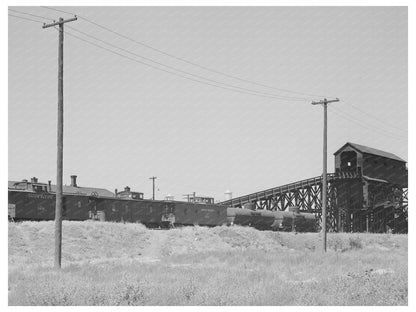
(324, 174)
(187, 196)
(324, 182)
(59, 168)
(153, 178)
(60, 141)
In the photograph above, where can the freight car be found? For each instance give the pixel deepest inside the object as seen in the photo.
(154, 213)
(39, 204)
(292, 220)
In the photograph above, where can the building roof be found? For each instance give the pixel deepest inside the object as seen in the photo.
(11, 184)
(68, 189)
(81, 190)
(370, 150)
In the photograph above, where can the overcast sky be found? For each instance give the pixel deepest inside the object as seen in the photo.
(125, 122)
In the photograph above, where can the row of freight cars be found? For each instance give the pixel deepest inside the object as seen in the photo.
(29, 205)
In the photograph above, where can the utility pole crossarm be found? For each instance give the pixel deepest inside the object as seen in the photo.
(325, 101)
(61, 21)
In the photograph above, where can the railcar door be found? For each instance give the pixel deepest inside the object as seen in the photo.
(92, 208)
(168, 215)
(125, 213)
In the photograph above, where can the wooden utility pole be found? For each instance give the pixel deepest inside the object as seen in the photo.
(59, 169)
(324, 102)
(153, 178)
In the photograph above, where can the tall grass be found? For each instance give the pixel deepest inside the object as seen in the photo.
(218, 266)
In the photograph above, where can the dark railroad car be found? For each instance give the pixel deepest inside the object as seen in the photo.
(259, 219)
(41, 206)
(294, 220)
(199, 214)
(32, 206)
(75, 207)
(148, 212)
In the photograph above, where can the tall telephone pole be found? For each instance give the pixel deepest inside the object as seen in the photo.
(187, 197)
(153, 178)
(325, 103)
(59, 169)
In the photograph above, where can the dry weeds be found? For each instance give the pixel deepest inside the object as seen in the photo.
(127, 264)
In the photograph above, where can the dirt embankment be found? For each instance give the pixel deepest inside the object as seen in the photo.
(32, 243)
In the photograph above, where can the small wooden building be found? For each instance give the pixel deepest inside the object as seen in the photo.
(368, 202)
(371, 162)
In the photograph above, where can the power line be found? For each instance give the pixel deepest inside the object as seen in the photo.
(185, 72)
(365, 125)
(182, 59)
(375, 117)
(362, 125)
(192, 63)
(62, 11)
(371, 126)
(25, 18)
(170, 72)
(20, 12)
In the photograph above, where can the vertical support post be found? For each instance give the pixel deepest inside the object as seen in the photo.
(59, 168)
(153, 178)
(324, 174)
(60, 139)
(153, 197)
(324, 181)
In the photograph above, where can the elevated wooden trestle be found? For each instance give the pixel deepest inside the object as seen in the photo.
(350, 209)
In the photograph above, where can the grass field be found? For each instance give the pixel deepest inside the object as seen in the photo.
(127, 264)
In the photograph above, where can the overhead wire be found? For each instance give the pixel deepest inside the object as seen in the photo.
(25, 18)
(375, 117)
(57, 10)
(173, 73)
(334, 110)
(228, 87)
(182, 59)
(366, 123)
(214, 82)
(186, 72)
(363, 125)
(30, 14)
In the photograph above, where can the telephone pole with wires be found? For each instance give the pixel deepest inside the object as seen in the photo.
(325, 103)
(59, 169)
(188, 197)
(153, 178)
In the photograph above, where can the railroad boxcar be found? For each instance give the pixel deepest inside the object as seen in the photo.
(148, 212)
(32, 206)
(152, 213)
(39, 206)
